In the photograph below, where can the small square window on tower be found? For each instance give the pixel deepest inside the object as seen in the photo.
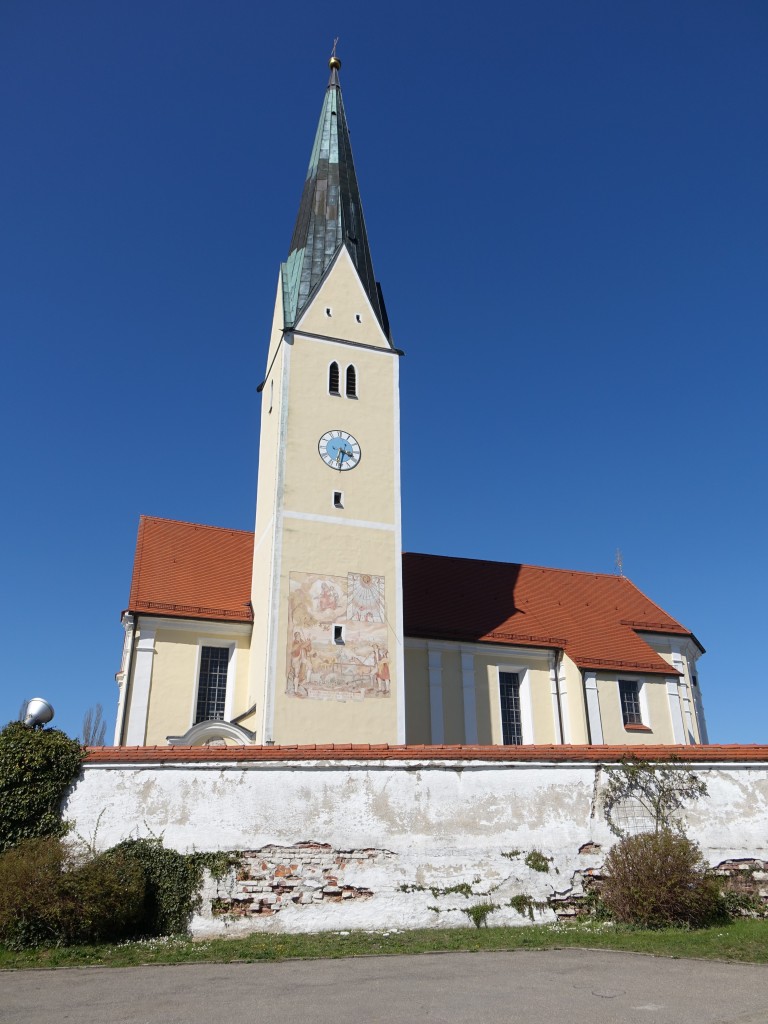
(338, 634)
(328, 311)
(338, 499)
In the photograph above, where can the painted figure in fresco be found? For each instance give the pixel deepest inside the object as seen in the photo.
(328, 599)
(382, 670)
(298, 675)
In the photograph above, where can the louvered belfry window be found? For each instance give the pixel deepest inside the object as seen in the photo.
(212, 688)
(333, 379)
(351, 382)
(511, 720)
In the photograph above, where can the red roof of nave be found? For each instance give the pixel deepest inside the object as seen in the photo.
(186, 570)
(592, 616)
(190, 571)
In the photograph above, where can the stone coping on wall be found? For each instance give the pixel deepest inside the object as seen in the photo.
(726, 753)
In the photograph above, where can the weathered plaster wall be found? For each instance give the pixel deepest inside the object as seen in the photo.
(337, 844)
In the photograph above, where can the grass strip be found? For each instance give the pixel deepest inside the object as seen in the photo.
(744, 941)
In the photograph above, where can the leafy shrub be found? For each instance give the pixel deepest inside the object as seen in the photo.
(46, 899)
(172, 882)
(36, 768)
(658, 879)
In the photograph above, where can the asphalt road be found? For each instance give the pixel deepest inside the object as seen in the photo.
(553, 987)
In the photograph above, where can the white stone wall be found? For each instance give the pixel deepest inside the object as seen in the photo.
(339, 845)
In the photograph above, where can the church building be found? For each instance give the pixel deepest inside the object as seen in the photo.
(316, 627)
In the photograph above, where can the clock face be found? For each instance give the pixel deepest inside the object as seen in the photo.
(339, 450)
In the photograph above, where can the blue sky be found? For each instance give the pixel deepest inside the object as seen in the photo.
(568, 213)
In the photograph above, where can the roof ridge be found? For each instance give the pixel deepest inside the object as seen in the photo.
(186, 522)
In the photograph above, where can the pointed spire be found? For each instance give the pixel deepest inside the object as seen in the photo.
(330, 213)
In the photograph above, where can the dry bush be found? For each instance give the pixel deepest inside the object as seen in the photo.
(657, 880)
(45, 899)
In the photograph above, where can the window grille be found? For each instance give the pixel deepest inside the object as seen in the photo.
(212, 687)
(333, 379)
(511, 720)
(629, 692)
(351, 382)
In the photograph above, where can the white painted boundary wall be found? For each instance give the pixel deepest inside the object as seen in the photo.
(388, 825)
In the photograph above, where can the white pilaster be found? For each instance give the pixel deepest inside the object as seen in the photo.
(685, 697)
(400, 648)
(698, 706)
(526, 707)
(121, 678)
(142, 678)
(270, 682)
(554, 689)
(436, 695)
(593, 708)
(470, 701)
(673, 696)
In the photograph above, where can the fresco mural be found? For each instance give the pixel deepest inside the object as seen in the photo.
(337, 637)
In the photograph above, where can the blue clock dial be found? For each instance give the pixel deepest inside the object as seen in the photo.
(339, 450)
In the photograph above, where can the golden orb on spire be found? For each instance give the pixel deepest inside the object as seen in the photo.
(334, 63)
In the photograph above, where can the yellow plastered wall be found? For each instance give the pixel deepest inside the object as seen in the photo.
(345, 297)
(658, 711)
(175, 666)
(487, 702)
(453, 697)
(417, 720)
(270, 452)
(370, 488)
(576, 710)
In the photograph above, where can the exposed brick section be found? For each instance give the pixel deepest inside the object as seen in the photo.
(748, 877)
(712, 753)
(303, 875)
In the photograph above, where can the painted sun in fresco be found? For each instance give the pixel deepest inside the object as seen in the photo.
(365, 597)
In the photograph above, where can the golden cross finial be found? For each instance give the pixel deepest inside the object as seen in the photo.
(334, 63)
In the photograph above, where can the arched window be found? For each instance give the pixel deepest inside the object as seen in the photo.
(333, 379)
(351, 382)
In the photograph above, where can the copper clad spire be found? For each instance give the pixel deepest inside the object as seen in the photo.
(330, 213)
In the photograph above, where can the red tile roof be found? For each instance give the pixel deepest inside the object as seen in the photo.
(419, 752)
(185, 570)
(592, 616)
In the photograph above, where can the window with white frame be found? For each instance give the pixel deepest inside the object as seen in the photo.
(351, 382)
(629, 695)
(334, 379)
(212, 684)
(511, 714)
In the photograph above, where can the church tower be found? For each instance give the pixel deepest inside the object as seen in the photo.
(326, 660)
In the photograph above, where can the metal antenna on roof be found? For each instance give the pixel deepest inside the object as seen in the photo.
(619, 562)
